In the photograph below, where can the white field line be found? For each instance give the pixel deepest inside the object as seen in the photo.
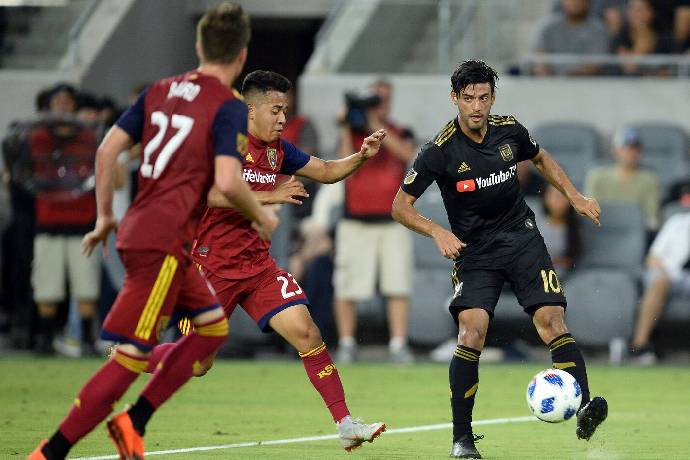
(411, 429)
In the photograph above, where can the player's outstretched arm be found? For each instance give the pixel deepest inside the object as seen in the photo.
(404, 212)
(228, 180)
(552, 171)
(116, 141)
(328, 172)
(290, 191)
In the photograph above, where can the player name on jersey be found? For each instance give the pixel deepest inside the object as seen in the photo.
(257, 177)
(184, 89)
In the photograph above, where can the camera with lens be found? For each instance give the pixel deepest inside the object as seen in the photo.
(357, 107)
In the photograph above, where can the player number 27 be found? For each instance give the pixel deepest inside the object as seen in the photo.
(183, 124)
(284, 288)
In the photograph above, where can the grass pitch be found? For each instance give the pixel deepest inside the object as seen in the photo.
(244, 401)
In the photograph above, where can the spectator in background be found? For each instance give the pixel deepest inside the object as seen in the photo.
(626, 181)
(88, 109)
(572, 32)
(369, 245)
(608, 11)
(560, 230)
(681, 28)
(63, 153)
(641, 35)
(63, 100)
(668, 272)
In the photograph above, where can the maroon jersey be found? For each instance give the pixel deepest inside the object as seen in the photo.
(226, 244)
(182, 123)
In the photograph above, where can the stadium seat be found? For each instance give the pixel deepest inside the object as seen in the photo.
(430, 323)
(619, 242)
(601, 305)
(665, 150)
(574, 145)
(677, 309)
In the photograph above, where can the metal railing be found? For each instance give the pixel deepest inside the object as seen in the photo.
(75, 31)
(662, 65)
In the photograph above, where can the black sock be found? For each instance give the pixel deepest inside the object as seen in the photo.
(57, 447)
(140, 413)
(87, 331)
(464, 381)
(566, 356)
(46, 327)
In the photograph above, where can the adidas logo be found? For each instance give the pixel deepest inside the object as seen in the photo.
(249, 157)
(464, 167)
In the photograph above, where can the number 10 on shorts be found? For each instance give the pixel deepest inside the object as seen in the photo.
(551, 281)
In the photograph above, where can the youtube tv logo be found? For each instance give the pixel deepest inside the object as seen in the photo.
(466, 185)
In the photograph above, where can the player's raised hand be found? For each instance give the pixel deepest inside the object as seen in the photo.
(268, 223)
(372, 143)
(104, 225)
(290, 191)
(447, 243)
(587, 207)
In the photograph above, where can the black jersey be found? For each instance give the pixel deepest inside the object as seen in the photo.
(478, 181)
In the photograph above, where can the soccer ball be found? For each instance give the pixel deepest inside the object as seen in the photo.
(553, 395)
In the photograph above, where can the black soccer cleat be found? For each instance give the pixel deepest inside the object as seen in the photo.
(590, 417)
(464, 447)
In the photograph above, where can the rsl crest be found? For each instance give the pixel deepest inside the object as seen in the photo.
(506, 152)
(272, 155)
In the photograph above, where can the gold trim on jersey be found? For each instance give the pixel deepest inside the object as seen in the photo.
(445, 133)
(237, 94)
(501, 120)
(156, 298)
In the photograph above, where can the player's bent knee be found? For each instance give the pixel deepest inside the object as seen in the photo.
(472, 337)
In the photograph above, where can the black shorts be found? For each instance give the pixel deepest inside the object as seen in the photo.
(529, 271)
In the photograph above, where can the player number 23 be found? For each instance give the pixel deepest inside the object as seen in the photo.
(284, 288)
(551, 281)
(183, 124)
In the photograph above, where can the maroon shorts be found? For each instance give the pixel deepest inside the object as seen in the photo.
(156, 286)
(261, 296)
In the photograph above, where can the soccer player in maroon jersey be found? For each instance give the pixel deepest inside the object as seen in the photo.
(238, 264)
(192, 129)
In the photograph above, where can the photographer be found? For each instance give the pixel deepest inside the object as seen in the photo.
(369, 246)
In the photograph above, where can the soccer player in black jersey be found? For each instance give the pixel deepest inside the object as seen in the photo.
(493, 239)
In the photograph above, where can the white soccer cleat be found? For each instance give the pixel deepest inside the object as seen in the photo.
(353, 432)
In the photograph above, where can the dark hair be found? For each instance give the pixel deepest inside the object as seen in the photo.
(223, 32)
(87, 101)
(42, 101)
(472, 72)
(263, 81)
(63, 87)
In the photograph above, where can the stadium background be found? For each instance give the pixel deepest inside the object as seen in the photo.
(327, 47)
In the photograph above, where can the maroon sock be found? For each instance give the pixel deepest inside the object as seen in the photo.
(324, 376)
(157, 355)
(96, 399)
(180, 362)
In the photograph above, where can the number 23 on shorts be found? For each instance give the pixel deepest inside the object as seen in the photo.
(286, 284)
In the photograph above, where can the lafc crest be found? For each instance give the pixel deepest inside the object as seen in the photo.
(272, 155)
(506, 152)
